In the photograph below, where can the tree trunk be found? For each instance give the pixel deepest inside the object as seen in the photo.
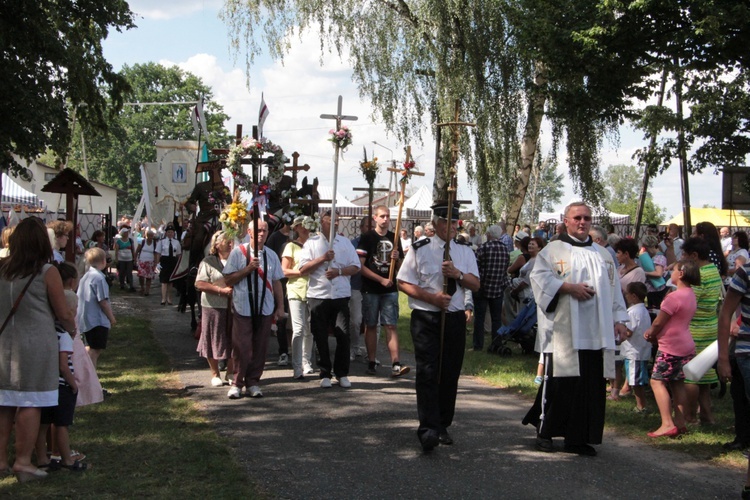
(529, 142)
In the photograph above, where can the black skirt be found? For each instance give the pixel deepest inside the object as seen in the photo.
(167, 267)
(574, 406)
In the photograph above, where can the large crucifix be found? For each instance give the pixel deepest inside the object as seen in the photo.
(452, 191)
(338, 117)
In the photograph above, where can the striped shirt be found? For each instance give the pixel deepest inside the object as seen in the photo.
(65, 344)
(741, 284)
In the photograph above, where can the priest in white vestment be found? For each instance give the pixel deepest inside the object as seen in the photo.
(580, 311)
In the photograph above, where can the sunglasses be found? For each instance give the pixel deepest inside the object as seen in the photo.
(585, 218)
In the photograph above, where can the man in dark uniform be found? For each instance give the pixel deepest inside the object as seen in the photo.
(208, 196)
(438, 366)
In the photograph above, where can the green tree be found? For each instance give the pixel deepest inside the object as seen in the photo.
(52, 62)
(623, 184)
(115, 159)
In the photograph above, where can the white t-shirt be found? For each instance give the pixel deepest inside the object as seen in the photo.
(636, 347)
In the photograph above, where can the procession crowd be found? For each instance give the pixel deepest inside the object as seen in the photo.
(608, 309)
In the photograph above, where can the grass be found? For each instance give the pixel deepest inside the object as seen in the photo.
(146, 439)
(516, 374)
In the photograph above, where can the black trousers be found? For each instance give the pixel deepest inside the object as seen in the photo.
(436, 388)
(327, 314)
(573, 406)
(740, 404)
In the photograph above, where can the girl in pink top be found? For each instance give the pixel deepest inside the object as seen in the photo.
(671, 329)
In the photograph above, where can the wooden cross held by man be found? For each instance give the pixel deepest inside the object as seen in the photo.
(338, 117)
(405, 174)
(456, 134)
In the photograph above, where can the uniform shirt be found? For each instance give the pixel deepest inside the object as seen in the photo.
(269, 265)
(162, 248)
(320, 287)
(423, 267)
(92, 289)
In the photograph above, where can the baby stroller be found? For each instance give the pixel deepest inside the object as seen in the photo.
(522, 330)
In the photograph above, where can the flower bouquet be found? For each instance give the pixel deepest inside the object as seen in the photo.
(341, 137)
(408, 167)
(234, 218)
(369, 168)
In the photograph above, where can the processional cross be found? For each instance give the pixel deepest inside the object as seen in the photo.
(452, 189)
(406, 172)
(338, 117)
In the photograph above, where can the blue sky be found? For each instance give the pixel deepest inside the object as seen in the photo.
(189, 33)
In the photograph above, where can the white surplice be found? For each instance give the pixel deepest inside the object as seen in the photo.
(572, 325)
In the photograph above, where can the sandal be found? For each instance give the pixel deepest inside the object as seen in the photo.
(76, 466)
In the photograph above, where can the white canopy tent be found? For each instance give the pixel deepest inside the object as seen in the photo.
(15, 194)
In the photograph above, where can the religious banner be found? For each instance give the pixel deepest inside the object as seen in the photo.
(171, 179)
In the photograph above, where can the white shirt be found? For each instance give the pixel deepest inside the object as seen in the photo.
(636, 347)
(240, 295)
(422, 266)
(726, 244)
(320, 287)
(162, 248)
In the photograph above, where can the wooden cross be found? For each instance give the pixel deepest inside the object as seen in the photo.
(295, 168)
(404, 179)
(338, 117)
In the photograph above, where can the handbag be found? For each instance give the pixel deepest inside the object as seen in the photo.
(16, 303)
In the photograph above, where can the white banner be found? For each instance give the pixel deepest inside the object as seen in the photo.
(171, 179)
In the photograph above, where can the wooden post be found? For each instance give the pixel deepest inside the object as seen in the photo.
(405, 173)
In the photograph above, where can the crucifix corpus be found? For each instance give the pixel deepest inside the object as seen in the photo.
(455, 136)
(339, 117)
(406, 173)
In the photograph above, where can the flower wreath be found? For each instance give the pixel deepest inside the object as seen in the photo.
(342, 137)
(255, 149)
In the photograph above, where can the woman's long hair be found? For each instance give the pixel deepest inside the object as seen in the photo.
(708, 232)
(29, 248)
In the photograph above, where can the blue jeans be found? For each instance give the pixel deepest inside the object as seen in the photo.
(480, 309)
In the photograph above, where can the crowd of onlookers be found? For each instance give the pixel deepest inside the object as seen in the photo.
(673, 287)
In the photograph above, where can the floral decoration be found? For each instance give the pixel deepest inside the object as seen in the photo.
(406, 173)
(369, 169)
(256, 150)
(341, 137)
(234, 218)
(220, 196)
(311, 223)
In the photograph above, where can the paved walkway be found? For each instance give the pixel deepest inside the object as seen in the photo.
(301, 441)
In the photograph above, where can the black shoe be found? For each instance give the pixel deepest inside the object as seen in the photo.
(545, 445)
(745, 493)
(734, 445)
(445, 438)
(580, 449)
(429, 441)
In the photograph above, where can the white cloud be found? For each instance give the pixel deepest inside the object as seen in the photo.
(170, 9)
